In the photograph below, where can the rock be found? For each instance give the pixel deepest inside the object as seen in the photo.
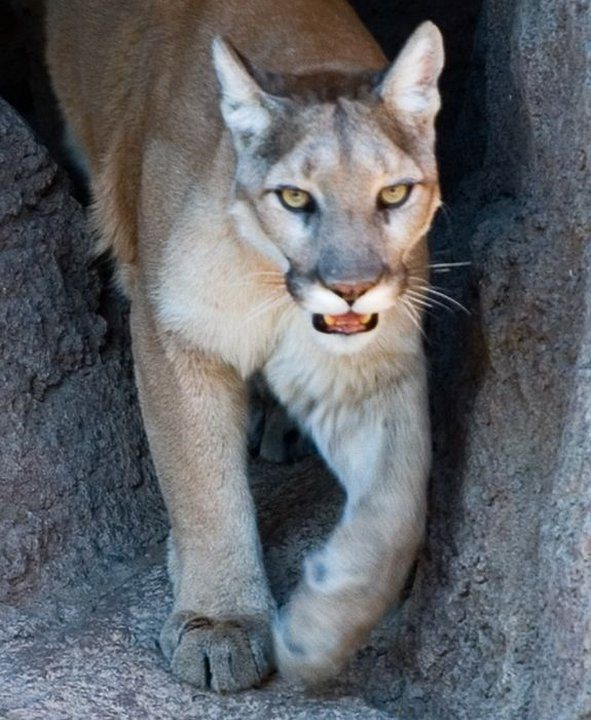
(497, 623)
(111, 668)
(78, 496)
(106, 664)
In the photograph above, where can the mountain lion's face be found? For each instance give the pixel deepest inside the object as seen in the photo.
(336, 180)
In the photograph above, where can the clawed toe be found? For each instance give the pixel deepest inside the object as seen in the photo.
(224, 654)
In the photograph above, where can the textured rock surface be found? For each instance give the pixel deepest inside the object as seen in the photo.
(106, 664)
(496, 623)
(77, 493)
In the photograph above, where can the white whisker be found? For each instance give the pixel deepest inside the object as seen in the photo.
(246, 283)
(442, 267)
(420, 299)
(264, 272)
(417, 282)
(409, 311)
(449, 265)
(431, 300)
(421, 305)
(415, 311)
(443, 295)
(267, 305)
(262, 306)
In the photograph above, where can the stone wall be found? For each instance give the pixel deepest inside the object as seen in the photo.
(497, 623)
(78, 496)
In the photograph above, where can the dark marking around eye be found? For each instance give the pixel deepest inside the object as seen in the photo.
(306, 209)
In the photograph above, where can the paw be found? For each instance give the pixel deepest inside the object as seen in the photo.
(224, 654)
(311, 637)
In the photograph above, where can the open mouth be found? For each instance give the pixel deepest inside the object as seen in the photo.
(347, 324)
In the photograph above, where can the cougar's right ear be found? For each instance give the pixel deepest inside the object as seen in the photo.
(245, 106)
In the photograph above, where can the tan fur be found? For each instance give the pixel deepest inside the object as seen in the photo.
(206, 250)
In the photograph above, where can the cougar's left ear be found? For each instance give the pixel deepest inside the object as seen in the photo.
(409, 87)
(245, 106)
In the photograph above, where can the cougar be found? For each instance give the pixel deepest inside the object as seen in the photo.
(265, 181)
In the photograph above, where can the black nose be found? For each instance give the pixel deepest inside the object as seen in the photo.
(350, 291)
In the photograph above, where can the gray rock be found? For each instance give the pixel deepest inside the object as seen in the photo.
(77, 493)
(497, 624)
(106, 663)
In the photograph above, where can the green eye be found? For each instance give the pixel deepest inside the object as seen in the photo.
(394, 195)
(295, 199)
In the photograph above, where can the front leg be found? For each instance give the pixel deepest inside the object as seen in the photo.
(218, 635)
(379, 448)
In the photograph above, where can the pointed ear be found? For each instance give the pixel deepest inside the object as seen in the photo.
(243, 101)
(409, 87)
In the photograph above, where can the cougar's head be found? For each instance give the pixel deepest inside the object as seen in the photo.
(336, 179)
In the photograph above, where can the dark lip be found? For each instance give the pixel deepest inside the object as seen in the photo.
(320, 325)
